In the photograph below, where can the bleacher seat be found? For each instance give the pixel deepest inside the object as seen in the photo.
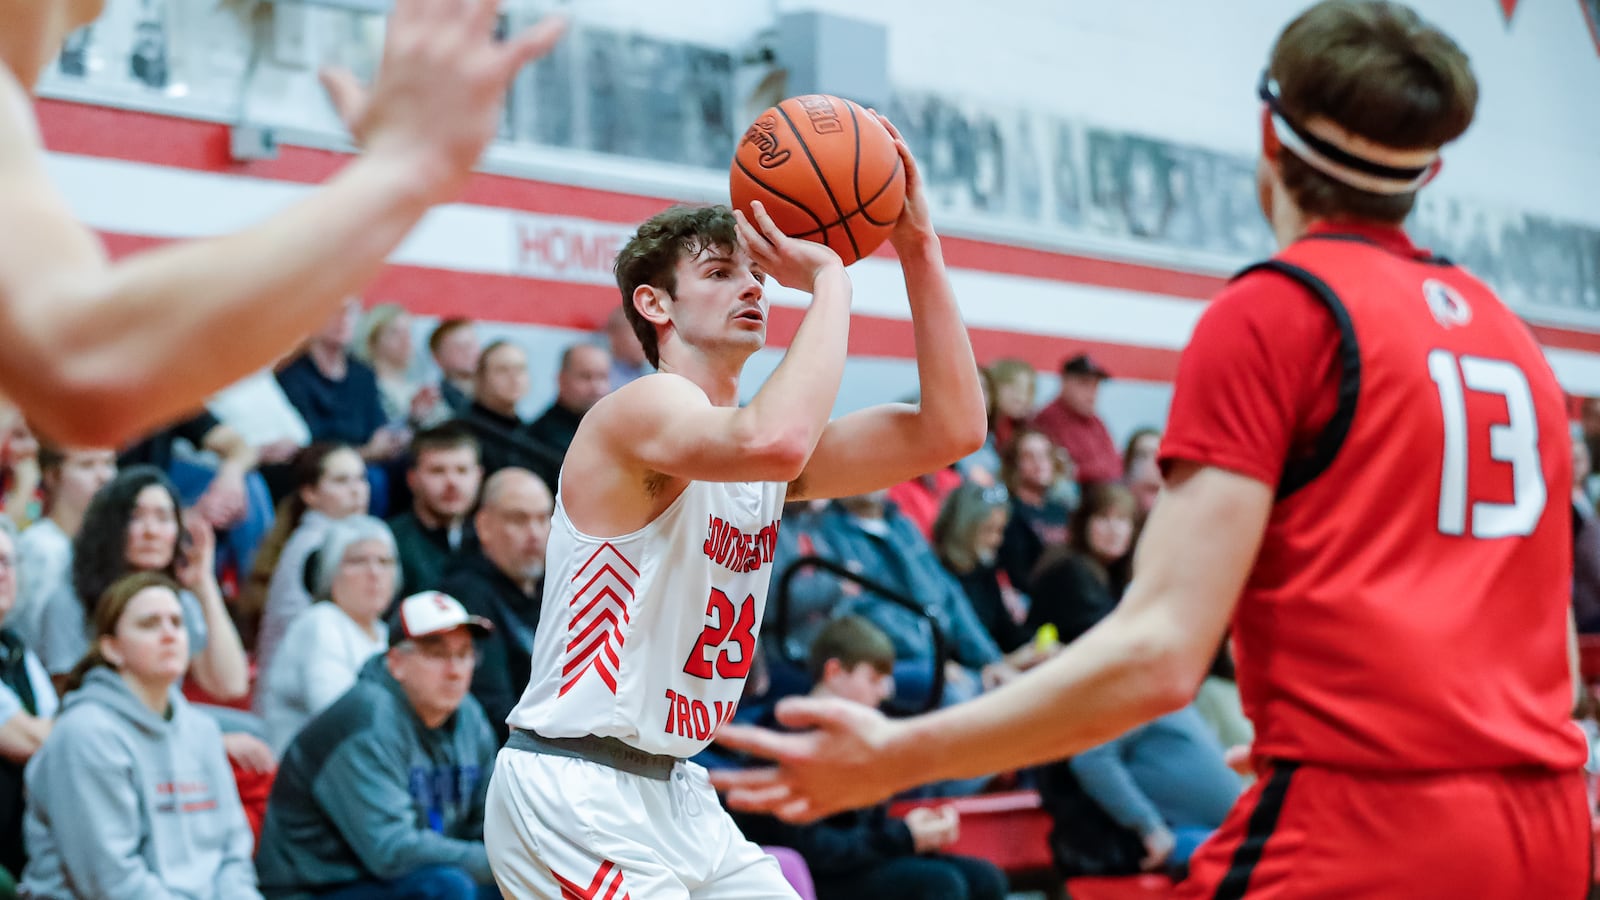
(1012, 830)
(1009, 829)
(1135, 887)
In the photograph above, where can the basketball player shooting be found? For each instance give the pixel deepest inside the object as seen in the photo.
(1367, 467)
(661, 545)
(92, 348)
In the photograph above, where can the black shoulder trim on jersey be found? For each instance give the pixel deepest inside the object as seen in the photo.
(1430, 260)
(1297, 473)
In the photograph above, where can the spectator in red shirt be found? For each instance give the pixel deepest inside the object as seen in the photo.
(1070, 421)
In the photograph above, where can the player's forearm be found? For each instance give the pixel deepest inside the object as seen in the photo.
(797, 399)
(228, 305)
(1116, 676)
(951, 412)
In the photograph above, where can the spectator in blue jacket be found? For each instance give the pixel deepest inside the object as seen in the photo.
(381, 795)
(869, 536)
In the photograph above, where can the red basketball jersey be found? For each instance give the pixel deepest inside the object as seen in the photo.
(1408, 607)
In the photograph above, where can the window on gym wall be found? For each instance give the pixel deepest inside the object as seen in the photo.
(608, 98)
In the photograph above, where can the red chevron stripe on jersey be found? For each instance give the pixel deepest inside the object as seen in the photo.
(596, 627)
(609, 879)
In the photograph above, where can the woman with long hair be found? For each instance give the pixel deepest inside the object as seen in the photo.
(131, 795)
(328, 482)
(1077, 584)
(134, 524)
(966, 537)
(328, 643)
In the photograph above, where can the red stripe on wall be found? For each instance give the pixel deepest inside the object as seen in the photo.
(558, 304)
(551, 304)
(203, 146)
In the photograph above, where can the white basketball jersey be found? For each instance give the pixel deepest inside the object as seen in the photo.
(648, 637)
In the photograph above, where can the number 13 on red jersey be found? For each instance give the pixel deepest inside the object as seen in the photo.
(1514, 442)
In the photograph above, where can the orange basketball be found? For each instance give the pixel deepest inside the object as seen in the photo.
(825, 170)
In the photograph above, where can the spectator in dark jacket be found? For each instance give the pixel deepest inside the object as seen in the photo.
(503, 581)
(382, 794)
(1033, 471)
(444, 477)
(27, 708)
(866, 854)
(503, 438)
(338, 397)
(455, 348)
(584, 379)
(1076, 585)
(337, 394)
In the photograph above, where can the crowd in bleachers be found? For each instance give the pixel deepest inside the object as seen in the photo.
(210, 685)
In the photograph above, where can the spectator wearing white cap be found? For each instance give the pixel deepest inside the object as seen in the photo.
(381, 795)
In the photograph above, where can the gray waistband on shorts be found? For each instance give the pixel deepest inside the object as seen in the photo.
(603, 750)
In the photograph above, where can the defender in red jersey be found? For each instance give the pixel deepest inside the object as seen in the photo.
(1367, 469)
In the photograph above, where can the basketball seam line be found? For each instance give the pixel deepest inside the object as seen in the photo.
(821, 178)
(855, 172)
(880, 192)
(862, 212)
(782, 196)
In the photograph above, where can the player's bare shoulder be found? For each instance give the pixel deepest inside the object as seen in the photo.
(638, 409)
(607, 484)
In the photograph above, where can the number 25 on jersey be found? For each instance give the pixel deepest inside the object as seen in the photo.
(1514, 442)
(727, 646)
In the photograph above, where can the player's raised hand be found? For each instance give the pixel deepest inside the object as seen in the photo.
(838, 765)
(916, 221)
(436, 101)
(792, 262)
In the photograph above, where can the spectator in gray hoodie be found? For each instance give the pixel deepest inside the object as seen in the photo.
(381, 795)
(131, 796)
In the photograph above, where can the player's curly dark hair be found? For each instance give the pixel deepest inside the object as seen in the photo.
(651, 257)
(100, 551)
